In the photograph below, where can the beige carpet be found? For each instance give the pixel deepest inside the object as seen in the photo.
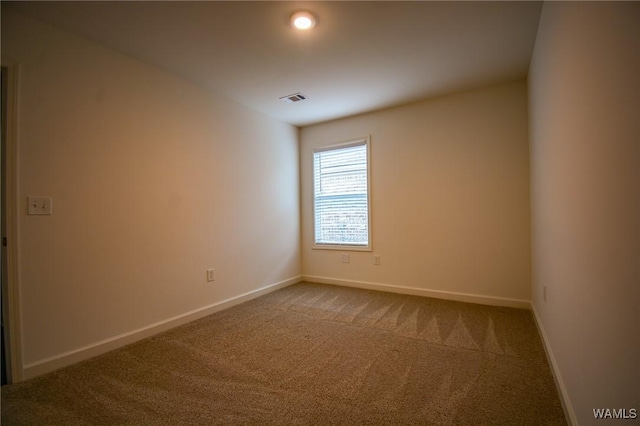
(312, 354)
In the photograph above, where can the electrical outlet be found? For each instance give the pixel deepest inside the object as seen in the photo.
(211, 275)
(376, 260)
(346, 258)
(39, 205)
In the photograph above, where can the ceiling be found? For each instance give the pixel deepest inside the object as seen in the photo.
(361, 56)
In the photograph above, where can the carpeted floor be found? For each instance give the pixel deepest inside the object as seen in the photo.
(312, 354)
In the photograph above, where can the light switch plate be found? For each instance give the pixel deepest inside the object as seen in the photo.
(39, 205)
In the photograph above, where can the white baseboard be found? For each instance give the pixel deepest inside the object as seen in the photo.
(569, 414)
(439, 294)
(62, 360)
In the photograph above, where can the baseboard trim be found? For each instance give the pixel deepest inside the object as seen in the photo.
(53, 363)
(569, 414)
(439, 294)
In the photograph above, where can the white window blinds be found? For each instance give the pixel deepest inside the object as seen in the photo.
(341, 201)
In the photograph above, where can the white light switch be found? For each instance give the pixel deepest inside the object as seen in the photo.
(39, 205)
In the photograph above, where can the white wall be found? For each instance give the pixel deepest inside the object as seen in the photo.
(585, 180)
(153, 179)
(450, 197)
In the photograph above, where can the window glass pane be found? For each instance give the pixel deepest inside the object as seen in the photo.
(340, 196)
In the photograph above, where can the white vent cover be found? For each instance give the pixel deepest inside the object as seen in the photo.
(296, 97)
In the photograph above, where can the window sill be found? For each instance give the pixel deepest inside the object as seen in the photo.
(341, 247)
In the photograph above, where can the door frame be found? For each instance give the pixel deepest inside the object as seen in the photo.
(10, 213)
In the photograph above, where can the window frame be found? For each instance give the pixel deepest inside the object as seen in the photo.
(337, 246)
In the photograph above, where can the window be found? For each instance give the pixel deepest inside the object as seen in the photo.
(341, 196)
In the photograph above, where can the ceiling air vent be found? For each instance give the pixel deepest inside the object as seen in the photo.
(296, 97)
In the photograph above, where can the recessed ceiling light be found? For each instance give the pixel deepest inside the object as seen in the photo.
(303, 20)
